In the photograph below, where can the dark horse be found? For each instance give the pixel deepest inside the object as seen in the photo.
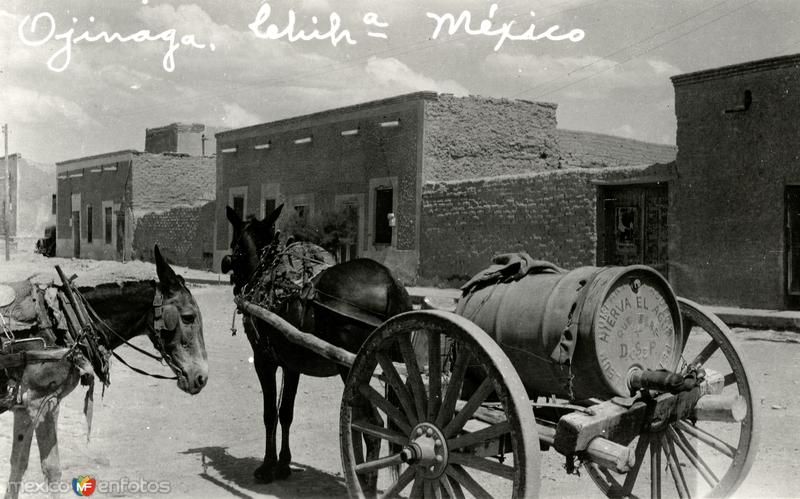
(351, 298)
(127, 310)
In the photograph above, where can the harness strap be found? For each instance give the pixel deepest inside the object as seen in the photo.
(141, 371)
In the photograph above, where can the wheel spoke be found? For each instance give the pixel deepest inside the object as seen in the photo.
(705, 353)
(712, 441)
(690, 452)
(477, 398)
(448, 487)
(398, 386)
(630, 478)
(417, 489)
(480, 436)
(453, 387)
(482, 464)
(414, 377)
(380, 432)
(469, 483)
(730, 379)
(675, 467)
(435, 489)
(378, 464)
(384, 405)
(402, 481)
(434, 375)
(655, 468)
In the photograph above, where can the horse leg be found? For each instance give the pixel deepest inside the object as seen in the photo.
(20, 450)
(47, 441)
(286, 413)
(266, 376)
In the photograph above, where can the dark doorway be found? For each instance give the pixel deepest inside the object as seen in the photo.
(384, 200)
(793, 246)
(76, 234)
(121, 235)
(632, 225)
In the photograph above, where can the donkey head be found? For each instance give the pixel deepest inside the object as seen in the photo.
(249, 238)
(178, 334)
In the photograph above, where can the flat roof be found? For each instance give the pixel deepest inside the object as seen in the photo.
(95, 157)
(397, 99)
(785, 61)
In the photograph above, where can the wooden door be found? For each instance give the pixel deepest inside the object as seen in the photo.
(632, 225)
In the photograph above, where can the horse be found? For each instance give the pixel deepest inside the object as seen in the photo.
(124, 311)
(350, 299)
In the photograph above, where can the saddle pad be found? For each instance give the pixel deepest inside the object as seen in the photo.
(7, 295)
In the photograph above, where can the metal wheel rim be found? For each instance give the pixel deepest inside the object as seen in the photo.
(694, 315)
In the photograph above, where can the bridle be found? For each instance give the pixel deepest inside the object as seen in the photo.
(154, 333)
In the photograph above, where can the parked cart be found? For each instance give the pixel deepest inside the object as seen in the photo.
(642, 390)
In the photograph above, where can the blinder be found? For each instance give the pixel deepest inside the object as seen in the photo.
(165, 317)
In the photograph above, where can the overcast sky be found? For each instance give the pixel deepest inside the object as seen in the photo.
(614, 80)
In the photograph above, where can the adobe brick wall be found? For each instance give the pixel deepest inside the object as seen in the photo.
(162, 182)
(551, 215)
(728, 245)
(184, 235)
(470, 137)
(595, 150)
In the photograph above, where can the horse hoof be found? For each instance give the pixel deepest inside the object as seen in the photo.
(265, 473)
(282, 472)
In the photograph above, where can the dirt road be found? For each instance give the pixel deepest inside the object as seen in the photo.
(209, 444)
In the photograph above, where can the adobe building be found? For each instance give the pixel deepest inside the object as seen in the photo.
(117, 205)
(736, 233)
(194, 139)
(436, 183)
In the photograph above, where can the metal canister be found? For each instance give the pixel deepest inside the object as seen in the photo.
(580, 334)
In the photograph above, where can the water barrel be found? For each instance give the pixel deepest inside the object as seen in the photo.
(610, 320)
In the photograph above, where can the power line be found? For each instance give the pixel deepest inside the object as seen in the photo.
(617, 51)
(642, 53)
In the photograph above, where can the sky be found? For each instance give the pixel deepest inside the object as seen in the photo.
(606, 63)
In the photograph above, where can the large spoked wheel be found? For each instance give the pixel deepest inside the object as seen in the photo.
(703, 458)
(413, 370)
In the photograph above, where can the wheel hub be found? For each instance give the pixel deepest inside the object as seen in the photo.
(427, 450)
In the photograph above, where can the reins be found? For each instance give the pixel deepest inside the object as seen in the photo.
(107, 328)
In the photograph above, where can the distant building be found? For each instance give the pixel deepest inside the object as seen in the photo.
(194, 139)
(115, 206)
(32, 190)
(404, 169)
(736, 197)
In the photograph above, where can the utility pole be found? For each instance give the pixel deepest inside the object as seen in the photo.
(6, 210)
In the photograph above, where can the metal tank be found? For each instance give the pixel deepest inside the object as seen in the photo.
(580, 334)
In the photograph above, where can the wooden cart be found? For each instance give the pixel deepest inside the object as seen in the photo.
(468, 406)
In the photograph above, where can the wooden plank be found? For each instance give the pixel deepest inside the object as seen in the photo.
(309, 341)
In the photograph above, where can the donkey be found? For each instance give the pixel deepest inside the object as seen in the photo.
(126, 310)
(358, 295)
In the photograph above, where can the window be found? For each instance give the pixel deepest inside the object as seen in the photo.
(238, 205)
(89, 223)
(108, 212)
(383, 207)
(269, 206)
(301, 210)
(55, 204)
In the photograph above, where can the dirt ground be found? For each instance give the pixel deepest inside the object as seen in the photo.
(208, 445)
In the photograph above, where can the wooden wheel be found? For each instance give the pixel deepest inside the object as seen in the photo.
(413, 368)
(702, 458)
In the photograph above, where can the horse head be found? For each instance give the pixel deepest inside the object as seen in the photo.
(178, 329)
(249, 239)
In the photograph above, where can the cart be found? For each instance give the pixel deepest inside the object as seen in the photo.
(642, 391)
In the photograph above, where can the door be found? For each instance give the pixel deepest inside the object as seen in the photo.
(76, 234)
(121, 235)
(792, 245)
(633, 225)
